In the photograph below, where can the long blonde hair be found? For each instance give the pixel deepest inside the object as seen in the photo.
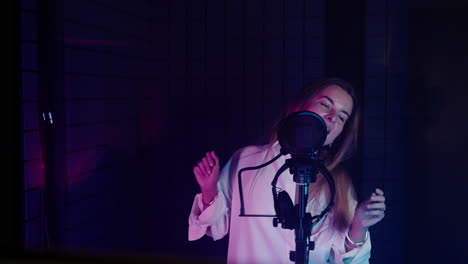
(341, 149)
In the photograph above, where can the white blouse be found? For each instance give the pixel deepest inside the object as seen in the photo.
(255, 239)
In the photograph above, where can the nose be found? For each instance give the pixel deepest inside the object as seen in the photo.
(330, 118)
(330, 121)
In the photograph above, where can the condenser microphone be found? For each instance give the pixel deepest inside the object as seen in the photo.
(301, 134)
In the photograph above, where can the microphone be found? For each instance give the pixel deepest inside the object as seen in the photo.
(301, 134)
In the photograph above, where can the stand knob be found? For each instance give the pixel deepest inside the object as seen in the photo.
(275, 222)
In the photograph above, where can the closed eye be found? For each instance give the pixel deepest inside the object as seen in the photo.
(343, 117)
(325, 105)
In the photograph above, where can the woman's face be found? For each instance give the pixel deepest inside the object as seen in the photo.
(334, 105)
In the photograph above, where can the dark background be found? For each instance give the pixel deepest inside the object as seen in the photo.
(437, 158)
(139, 90)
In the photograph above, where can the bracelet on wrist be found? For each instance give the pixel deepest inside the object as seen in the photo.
(353, 244)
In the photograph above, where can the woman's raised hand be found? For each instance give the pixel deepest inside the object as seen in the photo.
(370, 211)
(207, 173)
(367, 214)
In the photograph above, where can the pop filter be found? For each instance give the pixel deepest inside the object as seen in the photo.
(302, 133)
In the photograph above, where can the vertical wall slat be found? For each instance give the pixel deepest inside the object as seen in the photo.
(385, 118)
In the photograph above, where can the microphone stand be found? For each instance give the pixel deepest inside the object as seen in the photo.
(304, 172)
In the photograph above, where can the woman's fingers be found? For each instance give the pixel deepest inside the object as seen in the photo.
(371, 211)
(210, 159)
(376, 198)
(203, 167)
(379, 191)
(378, 206)
(207, 170)
(213, 158)
(375, 213)
(199, 175)
(196, 170)
(208, 167)
(207, 164)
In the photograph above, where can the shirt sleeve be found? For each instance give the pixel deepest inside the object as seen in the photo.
(214, 220)
(358, 255)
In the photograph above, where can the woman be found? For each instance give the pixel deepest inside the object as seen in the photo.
(341, 237)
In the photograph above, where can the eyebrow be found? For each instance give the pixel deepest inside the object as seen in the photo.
(333, 102)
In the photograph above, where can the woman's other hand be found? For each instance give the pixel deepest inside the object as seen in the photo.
(370, 211)
(207, 173)
(367, 214)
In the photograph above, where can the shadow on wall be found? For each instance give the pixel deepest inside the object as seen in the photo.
(100, 202)
(172, 188)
